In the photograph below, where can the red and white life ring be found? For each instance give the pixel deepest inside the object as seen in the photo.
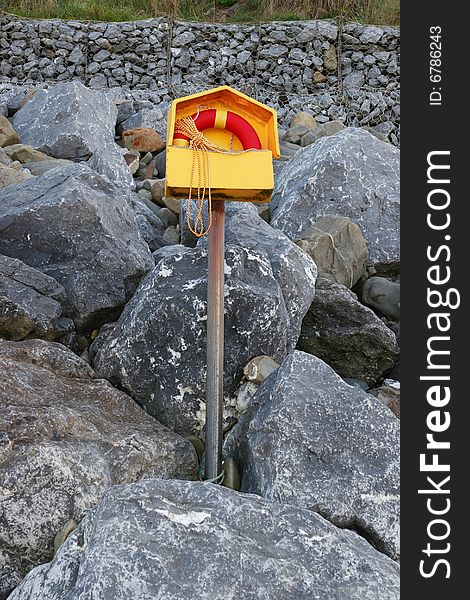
(224, 119)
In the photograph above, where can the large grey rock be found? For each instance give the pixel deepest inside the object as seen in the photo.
(157, 351)
(110, 162)
(352, 174)
(295, 272)
(67, 436)
(288, 150)
(30, 303)
(311, 440)
(67, 120)
(160, 163)
(347, 335)
(79, 228)
(178, 540)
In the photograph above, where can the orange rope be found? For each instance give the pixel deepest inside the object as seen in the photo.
(201, 146)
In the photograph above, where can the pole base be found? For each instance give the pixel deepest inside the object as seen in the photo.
(229, 476)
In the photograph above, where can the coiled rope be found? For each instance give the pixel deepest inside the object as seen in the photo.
(201, 146)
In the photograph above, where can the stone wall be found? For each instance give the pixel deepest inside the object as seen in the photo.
(336, 71)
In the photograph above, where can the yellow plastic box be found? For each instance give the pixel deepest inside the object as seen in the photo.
(241, 177)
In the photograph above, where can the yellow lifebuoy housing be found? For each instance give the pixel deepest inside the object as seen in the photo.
(222, 142)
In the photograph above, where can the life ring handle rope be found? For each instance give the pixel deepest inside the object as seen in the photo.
(189, 130)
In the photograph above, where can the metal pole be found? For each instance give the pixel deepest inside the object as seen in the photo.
(215, 343)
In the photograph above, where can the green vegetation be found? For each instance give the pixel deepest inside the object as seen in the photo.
(383, 12)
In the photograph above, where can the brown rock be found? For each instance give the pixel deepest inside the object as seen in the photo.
(330, 60)
(157, 187)
(144, 139)
(305, 119)
(16, 165)
(259, 368)
(319, 77)
(9, 176)
(8, 135)
(5, 160)
(25, 153)
(390, 396)
(132, 161)
(338, 248)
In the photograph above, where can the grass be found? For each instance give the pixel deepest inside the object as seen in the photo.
(382, 12)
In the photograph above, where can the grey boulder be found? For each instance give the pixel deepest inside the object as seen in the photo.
(79, 228)
(110, 162)
(295, 272)
(157, 351)
(154, 118)
(347, 335)
(67, 120)
(383, 295)
(351, 174)
(150, 225)
(67, 436)
(311, 440)
(30, 303)
(292, 268)
(288, 150)
(175, 540)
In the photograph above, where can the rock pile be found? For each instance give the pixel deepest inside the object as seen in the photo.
(103, 308)
(224, 541)
(68, 437)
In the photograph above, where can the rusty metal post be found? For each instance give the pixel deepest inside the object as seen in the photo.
(215, 343)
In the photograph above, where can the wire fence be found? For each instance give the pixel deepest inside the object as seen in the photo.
(334, 69)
